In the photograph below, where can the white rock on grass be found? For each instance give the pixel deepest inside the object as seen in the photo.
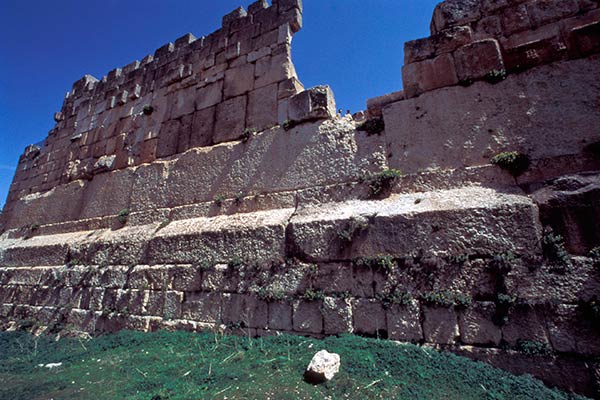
(322, 367)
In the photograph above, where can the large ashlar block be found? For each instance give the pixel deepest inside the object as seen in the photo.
(239, 80)
(455, 127)
(455, 12)
(203, 125)
(230, 119)
(262, 107)
(404, 322)
(314, 103)
(107, 194)
(444, 42)
(337, 316)
(369, 317)
(209, 95)
(440, 325)
(443, 222)
(429, 74)
(168, 138)
(246, 310)
(307, 317)
(476, 325)
(255, 236)
(479, 60)
(274, 69)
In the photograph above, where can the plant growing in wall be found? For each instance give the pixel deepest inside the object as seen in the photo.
(123, 216)
(248, 133)
(289, 124)
(446, 298)
(382, 181)
(553, 246)
(148, 109)
(385, 263)
(495, 76)
(372, 126)
(512, 161)
(219, 199)
(353, 228)
(395, 296)
(533, 348)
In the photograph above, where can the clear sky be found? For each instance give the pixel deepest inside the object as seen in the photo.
(355, 46)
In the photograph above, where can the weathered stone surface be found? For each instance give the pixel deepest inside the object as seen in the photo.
(454, 127)
(314, 103)
(307, 317)
(445, 41)
(404, 322)
(440, 325)
(337, 316)
(230, 119)
(382, 227)
(423, 76)
(262, 108)
(218, 238)
(322, 367)
(476, 326)
(479, 60)
(369, 317)
(280, 316)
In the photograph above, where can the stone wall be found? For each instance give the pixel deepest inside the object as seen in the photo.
(194, 92)
(167, 197)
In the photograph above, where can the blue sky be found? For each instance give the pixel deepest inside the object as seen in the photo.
(355, 46)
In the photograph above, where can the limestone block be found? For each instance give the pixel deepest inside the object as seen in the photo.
(285, 5)
(289, 88)
(445, 41)
(570, 332)
(515, 19)
(185, 278)
(585, 40)
(545, 11)
(454, 128)
(314, 103)
(34, 252)
(238, 81)
(202, 307)
(489, 26)
(185, 131)
(375, 105)
(150, 189)
(307, 317)
(478, 60)
(107, 194)
(337, 316)
(423, 76)
(168, 138)
(529, 50)
(209, 95)
(220, 278)
(280, 316)
(202, 127)
(257, 6)
(525, 323)
(445, 221)
(182, 102)
(273, 69)
(145, 277)
(369, 317)
(404, 322)
(230, 119)
(258, 54)
(454, 12)
(245, 309)
(440, 325)
(476, 326)
(255, 236)
(262, 107)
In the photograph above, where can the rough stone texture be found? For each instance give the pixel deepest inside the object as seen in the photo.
(383, 228)
(314, 103)
(456, 127)
(322, 367)
(246, 227)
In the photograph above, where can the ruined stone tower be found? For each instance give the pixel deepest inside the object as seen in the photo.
(204, 188)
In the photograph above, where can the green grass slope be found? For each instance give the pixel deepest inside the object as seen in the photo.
(179, 365)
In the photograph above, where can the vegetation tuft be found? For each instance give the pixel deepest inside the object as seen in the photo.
(385, 263)
(553, 246)
(123, 216)
(148, 109)
(513, 162)
(446, 298)
(533, 348)
(373, 126)
(382, 181)
(181, 365)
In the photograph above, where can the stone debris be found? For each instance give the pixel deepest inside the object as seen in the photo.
(323, 367)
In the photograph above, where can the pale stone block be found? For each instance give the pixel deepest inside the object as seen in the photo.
(262, 107)
(280, 316)
(314, 103)
(239, 80)
(369, 317)
(404, 322)
(337, 316)
(307, 317)
(440, 325)
(230, 119)
(209, 95)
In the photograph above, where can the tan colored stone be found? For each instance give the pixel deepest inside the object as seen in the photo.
(262, 107)
(404, 322)
(477, 326)
(478, 60)
(238, 81)
(230, 119)
(427, 75)
(307, 317)
(440, 325)
(369, 317)
(337, 316)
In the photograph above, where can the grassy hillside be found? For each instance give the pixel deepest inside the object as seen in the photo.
(132, 365)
